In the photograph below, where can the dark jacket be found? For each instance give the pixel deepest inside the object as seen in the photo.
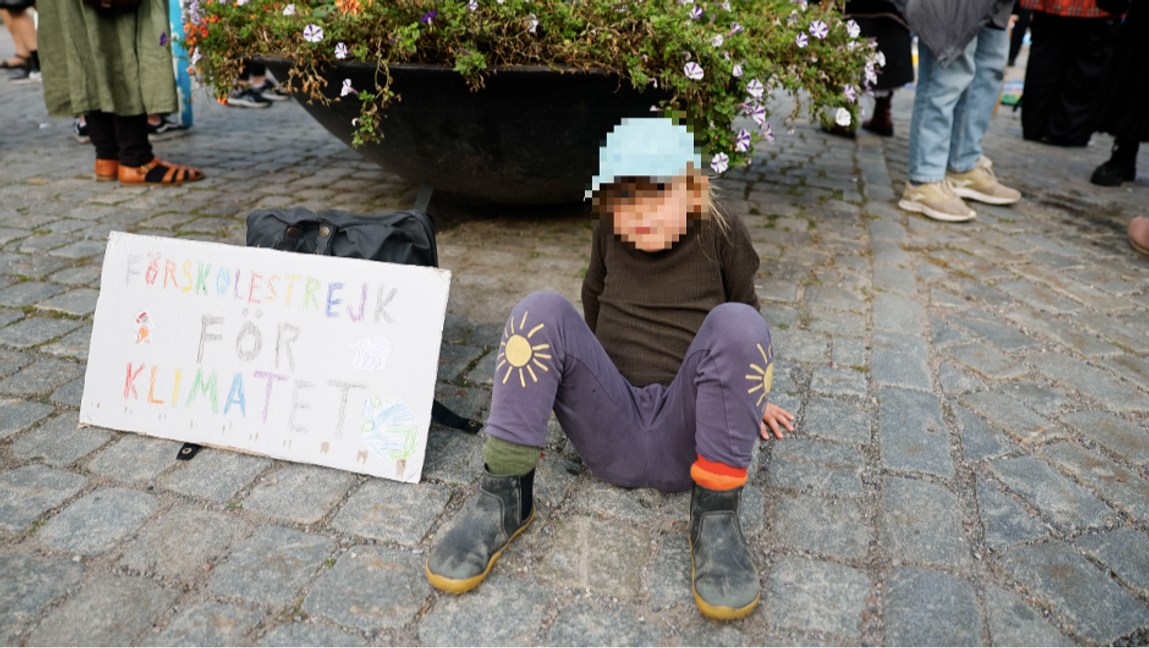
(947, 26)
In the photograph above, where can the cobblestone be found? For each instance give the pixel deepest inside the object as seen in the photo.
(299, 493)
(920, 523)
(816, 597)
(112, 611)
(1122, 487)
(1013, 623)
(1097, 608)
(926, 608)
(28, 586)
(98, 522)
(818, 468)
(822, 525)
(371, 588)
(390, 511)
(181, 542)
(912, 434)
(1050, 492)
(1005, 521)
(272, 566)
(58, 442)
(207, 624)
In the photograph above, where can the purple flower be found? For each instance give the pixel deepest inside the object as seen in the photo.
(737, 69)
(853, 29)
(696, 13)
(720, 162)
(850, 93)
(313, 33)
(758, 114)
(693, 71)
(716, 41)
(725, 5)
(341, 51)
(289, 10)
(755, 89)
(801, 40)
(852, 45)
(347, 89)
(735, 28)
(532, 24)
(429, 16)
(164, 39)
(742, 142)
(473, 5)
(768, 133)
(818, 29)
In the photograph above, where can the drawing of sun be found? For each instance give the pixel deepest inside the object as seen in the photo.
(517, 352)
(764, 376)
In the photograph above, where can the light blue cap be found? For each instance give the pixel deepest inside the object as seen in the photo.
(645, 147)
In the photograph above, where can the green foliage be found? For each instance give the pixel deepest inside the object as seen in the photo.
(648, 42)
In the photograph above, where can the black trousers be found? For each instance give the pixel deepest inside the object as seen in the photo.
(120, 138)
(1063, 79)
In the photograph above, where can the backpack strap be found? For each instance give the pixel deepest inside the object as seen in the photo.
(442, 415)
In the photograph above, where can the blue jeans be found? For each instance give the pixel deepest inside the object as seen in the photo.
(953, 106)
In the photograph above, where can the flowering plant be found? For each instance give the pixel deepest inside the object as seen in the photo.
(716, 59)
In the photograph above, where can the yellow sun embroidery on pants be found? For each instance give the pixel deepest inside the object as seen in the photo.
(764, 376)
(518, 352)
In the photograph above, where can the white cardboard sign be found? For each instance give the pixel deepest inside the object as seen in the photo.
(301, 357)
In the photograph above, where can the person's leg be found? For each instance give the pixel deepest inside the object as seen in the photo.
(974, 109)
(722, 387)
(138, 163)
(939, 90)
(23, 30)
(1090, 47)
(1024, 18)
(1048, 56)
(548, 359)
(102, 132)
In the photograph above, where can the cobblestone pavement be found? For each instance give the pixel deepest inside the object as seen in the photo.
(969, 467)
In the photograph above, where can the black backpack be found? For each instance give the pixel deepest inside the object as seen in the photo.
(397, 237)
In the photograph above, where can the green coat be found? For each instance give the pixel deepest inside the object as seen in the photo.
(94, 62)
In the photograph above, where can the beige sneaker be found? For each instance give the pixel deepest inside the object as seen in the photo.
(981, 184)
(936, 200)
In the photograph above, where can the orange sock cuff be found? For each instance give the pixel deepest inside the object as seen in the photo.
(716, 476)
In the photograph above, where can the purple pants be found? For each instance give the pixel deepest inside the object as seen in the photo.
(632, 436)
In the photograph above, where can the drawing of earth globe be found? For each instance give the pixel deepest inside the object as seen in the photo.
(387, 425)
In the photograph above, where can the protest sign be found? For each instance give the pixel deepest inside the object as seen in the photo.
(301, 357)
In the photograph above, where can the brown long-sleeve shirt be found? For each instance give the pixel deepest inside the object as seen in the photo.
(646, 307)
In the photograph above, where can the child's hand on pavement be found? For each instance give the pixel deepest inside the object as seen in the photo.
(774, 417)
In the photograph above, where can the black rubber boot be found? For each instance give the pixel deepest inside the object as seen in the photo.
(468, 550)
(723, 575)
(1120, 167)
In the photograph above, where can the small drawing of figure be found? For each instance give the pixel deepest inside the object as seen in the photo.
(143, 328)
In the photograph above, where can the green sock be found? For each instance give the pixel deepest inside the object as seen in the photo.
(506, 458)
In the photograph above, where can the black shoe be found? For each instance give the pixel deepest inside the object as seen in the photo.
(271, 91)
(467, 551)
(723, 576)
(248, 98)
(80, 131)
(1112, 174)
(165, 130)
(27, 75)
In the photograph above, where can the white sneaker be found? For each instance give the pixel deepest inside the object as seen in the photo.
(980, 184)
(936, 200)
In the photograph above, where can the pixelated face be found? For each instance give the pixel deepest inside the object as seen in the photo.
(651, 215)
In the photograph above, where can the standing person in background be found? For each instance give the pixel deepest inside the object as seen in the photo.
(256, 90)
(113, 68)
(879, 19)
(23, 29)
(1017, 35)
(1072, 44)
(960, 69)
(1121, 109)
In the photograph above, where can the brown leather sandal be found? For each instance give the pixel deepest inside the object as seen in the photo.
(107, 170)
(159, 172)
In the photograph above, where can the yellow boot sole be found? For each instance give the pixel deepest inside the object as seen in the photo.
(460, 585)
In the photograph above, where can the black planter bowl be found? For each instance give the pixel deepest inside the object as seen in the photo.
(530, 137)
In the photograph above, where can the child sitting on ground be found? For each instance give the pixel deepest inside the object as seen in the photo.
(666, 384)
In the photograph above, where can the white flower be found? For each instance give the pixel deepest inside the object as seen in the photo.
(850, 93)
(735, 28)
(716, 41)
(341, 51)
(853, 29)
(742, 142)
(347, 89)
(313, 33)
(289, 10)
(880, 59)
(532, 23)
(801, 40)
(240, 3)
(726, 5)
(758, 114)
(693, 71)
(768, 133)
(696, 13)
(473, 5)
(818, 29)
(195, 57)
(755, 89)
(720, 162)
(737, 69)
(871, 76)
(852, 45)
(843, 117)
